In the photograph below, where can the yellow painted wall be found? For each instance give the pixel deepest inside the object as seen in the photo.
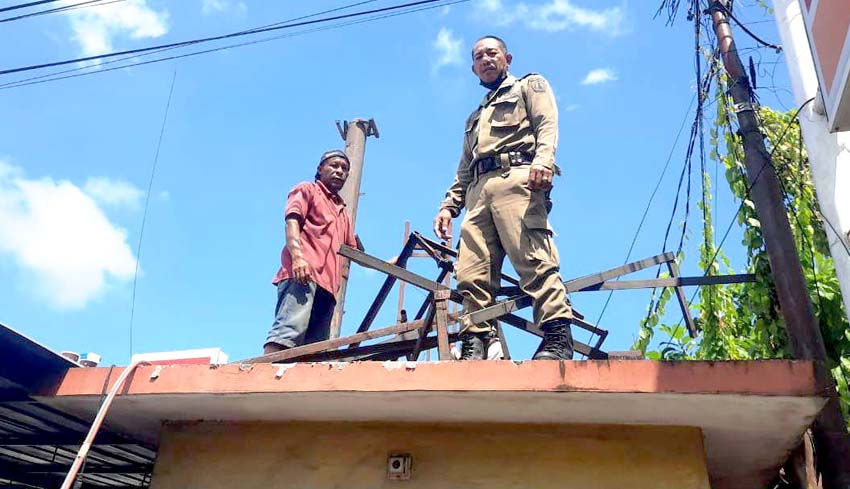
(354, 456)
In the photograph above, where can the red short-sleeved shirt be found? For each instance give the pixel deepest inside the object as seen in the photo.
(325, 226)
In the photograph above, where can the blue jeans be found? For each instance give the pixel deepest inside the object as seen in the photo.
(303, 314)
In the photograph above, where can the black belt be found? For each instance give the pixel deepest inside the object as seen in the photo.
(492, 163)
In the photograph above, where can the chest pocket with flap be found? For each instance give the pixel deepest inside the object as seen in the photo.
(508, 111)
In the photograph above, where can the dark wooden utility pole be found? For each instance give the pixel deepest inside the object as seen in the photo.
(830, 435)
(354, 133)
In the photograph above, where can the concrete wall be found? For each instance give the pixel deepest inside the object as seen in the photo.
(353, 456)
(829, 157)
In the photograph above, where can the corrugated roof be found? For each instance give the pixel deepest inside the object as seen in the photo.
(38, 443)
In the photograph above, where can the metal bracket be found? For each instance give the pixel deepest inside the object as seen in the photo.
(282, 370)
(441, 295)
(156, 372)
(342, 127)
(746, 106)
(371, 128)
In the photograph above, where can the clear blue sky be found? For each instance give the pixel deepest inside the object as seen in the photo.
(247, 124)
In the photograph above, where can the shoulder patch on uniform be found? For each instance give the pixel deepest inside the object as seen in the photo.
(538, 85)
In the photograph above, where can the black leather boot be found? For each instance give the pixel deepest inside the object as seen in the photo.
(473, 345)
(557, 341)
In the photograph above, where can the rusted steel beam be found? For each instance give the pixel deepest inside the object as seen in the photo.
(441, 323)
(581, 283)
(581, 323)
(529, 327)
(508, 306)
(500, 310)
(443, 260)
(453, 253)
(434, 244)
(423, 333)
(287, 355)
(386, 288)
(429, 343)
(392, 349)
(683, 301)
(417, 280)
(503, 342)
(674, 281)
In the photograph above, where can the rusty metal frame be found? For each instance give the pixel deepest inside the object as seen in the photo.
(604, 281)
(432, 287)
(433, 315)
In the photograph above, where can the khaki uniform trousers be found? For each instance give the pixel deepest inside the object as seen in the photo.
(504, 217)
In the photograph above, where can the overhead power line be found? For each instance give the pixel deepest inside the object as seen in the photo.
(744, 28)
(147, 204)
(73, 6)
(747, 196)
(646, 209)
(96, 69)
(55, 75)
(26, 5)
(216, 38)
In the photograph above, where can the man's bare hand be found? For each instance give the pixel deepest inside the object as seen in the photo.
(301, 270)
(540, 177)
(443, 225)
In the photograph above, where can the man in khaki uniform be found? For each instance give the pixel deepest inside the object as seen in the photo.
(503, 180)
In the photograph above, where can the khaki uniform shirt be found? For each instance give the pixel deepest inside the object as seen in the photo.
(519, 115)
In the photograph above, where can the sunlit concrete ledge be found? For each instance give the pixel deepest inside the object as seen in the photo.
(761, 378)
(751, 414)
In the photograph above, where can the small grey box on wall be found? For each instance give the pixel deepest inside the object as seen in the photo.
(398, 466)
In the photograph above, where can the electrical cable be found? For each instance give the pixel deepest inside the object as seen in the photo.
(216, 38)
(673, 332)
(817, 213)
(22, 83)
(746, 193)
(147, 203)
(706, 217)
(703, 86)
(75, 6)
(118, 60)
(803, 239)
(25, 5)
(646, 209)
(744, 28)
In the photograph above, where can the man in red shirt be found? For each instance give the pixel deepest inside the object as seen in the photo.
(317, 224)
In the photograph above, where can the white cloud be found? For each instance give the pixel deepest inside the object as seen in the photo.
(96, 27)
(60, 236)
(117, 193)
(213, 6)
(570, 108)
(449, 49)
(209, 7)
(164, 196)
(555, 15)
(599, 75)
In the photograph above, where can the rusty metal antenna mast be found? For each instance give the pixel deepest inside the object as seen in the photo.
(354, 133)
(830, 434)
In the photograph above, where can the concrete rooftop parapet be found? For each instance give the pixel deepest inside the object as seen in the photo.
(761, 378)
(751, 413)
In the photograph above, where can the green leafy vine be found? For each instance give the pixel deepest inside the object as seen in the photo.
(743, 321)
